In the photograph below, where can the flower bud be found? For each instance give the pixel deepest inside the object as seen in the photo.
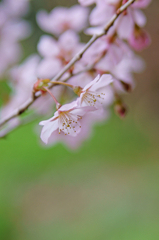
(120, 109)
(127, 87)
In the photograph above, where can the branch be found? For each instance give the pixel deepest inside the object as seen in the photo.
(76, 58)
(20, 122)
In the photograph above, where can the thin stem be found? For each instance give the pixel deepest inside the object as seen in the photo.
(62, 83)
(51, 95)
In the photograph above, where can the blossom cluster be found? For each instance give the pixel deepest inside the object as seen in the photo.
(12, 29)
(93, 83)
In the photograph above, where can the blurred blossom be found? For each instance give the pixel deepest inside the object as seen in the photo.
(57, 53)
(12, 30)
(99, 75)
(61, 19)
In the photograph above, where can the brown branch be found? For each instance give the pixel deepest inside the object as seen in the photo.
(76, 58)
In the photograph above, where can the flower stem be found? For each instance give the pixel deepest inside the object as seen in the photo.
(62, 83)
(51, 95)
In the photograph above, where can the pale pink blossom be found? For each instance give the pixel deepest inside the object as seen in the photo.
(87, 122)
(66, 120)
(92, 94)
(12, 30)
(57, 53)
(123, 72)
(15, 30)
(61, 19)
(110, 48)
(126, 22)
(101, 14)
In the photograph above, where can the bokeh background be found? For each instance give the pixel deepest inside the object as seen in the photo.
(107, 189)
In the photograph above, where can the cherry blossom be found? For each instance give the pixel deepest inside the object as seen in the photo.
(57, 53)
(61, 19)
(12, 30)
(66, 119)
(87, 122)
(126, 22)
(91, 94)
(90, 76)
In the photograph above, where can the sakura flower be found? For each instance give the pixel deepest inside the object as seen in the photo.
(57, 53)
(91, 94)
(102, 13)
(126, 22)
(12, 29)
(123, 72)
(108, 51)
(15, 30)
(66, 119)
(87, 122)
(61, 19)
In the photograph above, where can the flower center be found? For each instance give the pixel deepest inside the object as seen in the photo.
(91, 98)
(69, 124)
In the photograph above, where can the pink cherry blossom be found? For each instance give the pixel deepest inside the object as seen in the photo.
(57, 53)
(91, 94)
(123, 73)
(124, 26)
(66, 119)
(12, 30)
(111, 48)
(87, 122)
(61, 19)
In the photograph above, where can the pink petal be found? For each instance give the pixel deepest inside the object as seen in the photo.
(104, 81)
(48, 129)
(125, 25)
(140, 18)
(47, 46)
(48, 67)
(91, 83)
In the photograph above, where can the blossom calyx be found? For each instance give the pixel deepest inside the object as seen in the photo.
(40, 84)
(77, 90)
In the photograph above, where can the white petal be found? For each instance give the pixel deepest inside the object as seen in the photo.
(48, 129)
(91, 83)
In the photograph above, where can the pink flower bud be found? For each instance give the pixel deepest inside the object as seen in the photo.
(139, 40)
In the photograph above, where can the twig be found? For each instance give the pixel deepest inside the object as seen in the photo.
(77, 57)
